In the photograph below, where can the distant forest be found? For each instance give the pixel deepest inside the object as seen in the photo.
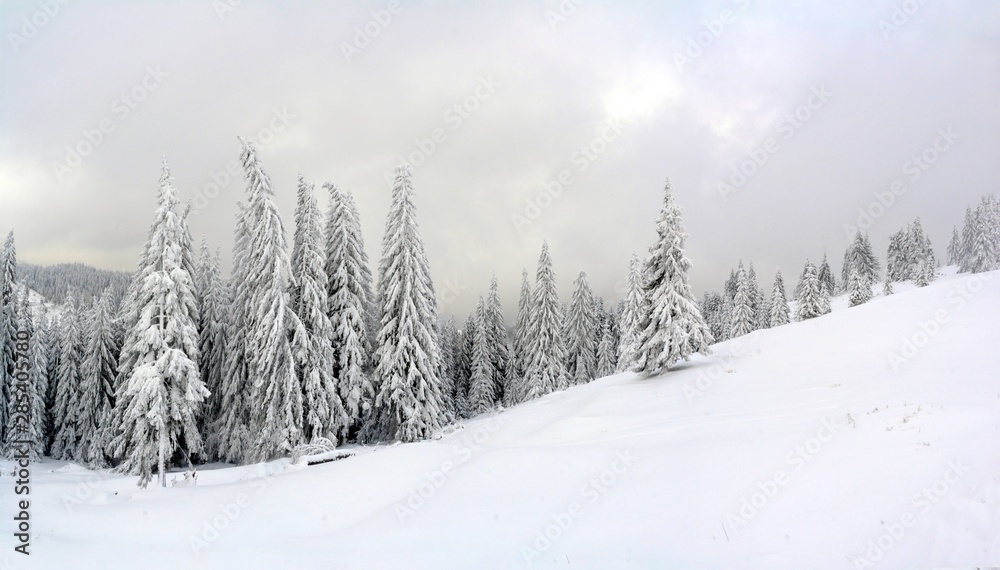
(54, 282)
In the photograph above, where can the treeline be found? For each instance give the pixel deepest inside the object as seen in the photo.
(54, 282)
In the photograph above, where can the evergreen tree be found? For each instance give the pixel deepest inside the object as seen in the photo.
(467, 343)
(211, 344)
(8, 327)
(159, 402)
(812, 298)
(53, 348)
(672, 326)
(323, 409)
(581, 362)
(276, 391)
(67, 406)
(522, 341)
(743, 316)
(714, 308)
(496, 341)
(407, 360)
(95, 398)
(350, 306)
(779, 303)
(606, 351)
(761, 308)
(954, 247)
(826, 277)
(547, 357)
(628, 344)
(26, 415)
(859, 289)
(860, 257)
(481, 381)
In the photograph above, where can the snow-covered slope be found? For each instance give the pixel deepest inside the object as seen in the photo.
(870, 436)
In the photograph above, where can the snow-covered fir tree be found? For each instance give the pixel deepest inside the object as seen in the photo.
(324, 415)
(521, 343)
(467, 345)
(213, 302)
(481, 395)
(860, 257)
(758, 301)
(581, 361)
(743, 316)
(276, 419)
(97, 378)
(628, 343)
(671, 323)
(859, 289)
(26, 415)
(547, 356)
(714, 309)
(826, 277)
(954, 247)
(812, 298)
(350, 306)
(53, 347)
(409, 399)
(8, 327)
(981, 237)
(606, 351)
(780, 313)
(67, 408)
(160, 399)
(498, 349)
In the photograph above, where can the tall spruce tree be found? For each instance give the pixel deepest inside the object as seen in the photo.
(350, 306)
(97, 378)
(581, 362)
(25, 433)
(522, 341)
(672, 327)
(161, 397)
(410, 399)
(779, 303)
(743, 316)
(812, 298)
(606, 351)
(954, 247)
(547, 357)
(67, 407)
(481, 395)
(8, 326)
(211, 344)
(859, 289)
(628, 344)
(497, 346)
(323, 411)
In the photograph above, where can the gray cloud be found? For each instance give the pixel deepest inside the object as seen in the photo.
(278, 71)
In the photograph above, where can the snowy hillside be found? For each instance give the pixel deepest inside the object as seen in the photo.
(867, 437)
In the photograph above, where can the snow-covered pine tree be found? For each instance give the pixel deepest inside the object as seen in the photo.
(887, 286)
(812, 298)
(547, 356)
(713, 307)
(277, 416)
(780, 314)
(97, 377)
(350, 306)
(161, 396)
(628, 343)
(743, 316)
(467, 345)
(497, 346)
(859, 289)
(53, 346)
(606, 351)
(954, 247)
(981, 237)
(67, 407)
(826, 277)
(211, 344)
(407, 361)
(522, 341)
(230, 440)
(672, 325)
(581, 359)
(323, 409)
(759, 302)
(26, 416)
(481, 395)
(450, 355)
(8, 327)
(859, 256)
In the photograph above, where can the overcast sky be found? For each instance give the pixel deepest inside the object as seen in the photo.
(824, 104)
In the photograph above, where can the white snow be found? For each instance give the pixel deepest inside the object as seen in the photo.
(686, 461)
